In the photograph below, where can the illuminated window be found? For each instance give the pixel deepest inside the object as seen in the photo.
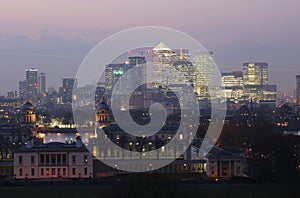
(85, 159)
(225, 171)
(47, 171)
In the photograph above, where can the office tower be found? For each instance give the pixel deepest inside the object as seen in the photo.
(256, 87)
(162, 60)
(233, 84)
(204, 69)
(22, 89)
(137, 74)
(298, 89)
(255, 73)
(112, 74)
(41, 83)
(67, 89)
(31, 87)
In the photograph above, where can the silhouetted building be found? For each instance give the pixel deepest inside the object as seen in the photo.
(67, 89)
(22, 89)
(41, 83)
(31, 84)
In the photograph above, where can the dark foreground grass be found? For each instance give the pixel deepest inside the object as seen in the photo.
(202, 190)
(154, 187)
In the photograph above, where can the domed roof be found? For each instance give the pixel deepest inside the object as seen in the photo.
(103, 106)
(27, 106)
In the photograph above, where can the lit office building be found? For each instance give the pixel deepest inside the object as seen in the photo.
(204, 69)
(256, 85)
(233, 84)
(255, 74)
(162, 60)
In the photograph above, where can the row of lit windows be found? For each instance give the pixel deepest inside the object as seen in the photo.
(59, 171)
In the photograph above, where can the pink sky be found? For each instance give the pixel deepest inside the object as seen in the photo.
(232, 28)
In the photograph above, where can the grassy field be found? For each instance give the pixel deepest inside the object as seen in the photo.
(154, 187)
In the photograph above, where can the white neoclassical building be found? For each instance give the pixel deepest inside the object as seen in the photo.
(221, 162)
(225, 162)
(53, 160)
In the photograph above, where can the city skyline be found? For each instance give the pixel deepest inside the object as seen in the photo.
(236, 31)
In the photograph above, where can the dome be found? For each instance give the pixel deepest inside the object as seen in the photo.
(103, 106)
(27, 106)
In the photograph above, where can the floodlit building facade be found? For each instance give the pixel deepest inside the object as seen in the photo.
(256, 83)
(53, 160)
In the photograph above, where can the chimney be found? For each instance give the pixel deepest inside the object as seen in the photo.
(29, 143)
(79, 143)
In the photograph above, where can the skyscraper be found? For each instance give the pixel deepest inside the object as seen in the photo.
(298, 89)
(41, 83)
(161, 58)
(136, 68)
(67, 89)
(233, 84)
(32, 84)
(255, 81)
(204, 69)
(255, 73)
(22, 89)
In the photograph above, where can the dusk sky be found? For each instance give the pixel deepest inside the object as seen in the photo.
(54, 36)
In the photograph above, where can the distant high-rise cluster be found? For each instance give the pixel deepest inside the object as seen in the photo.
(251, 84)
(34, 84)
(173, 68)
